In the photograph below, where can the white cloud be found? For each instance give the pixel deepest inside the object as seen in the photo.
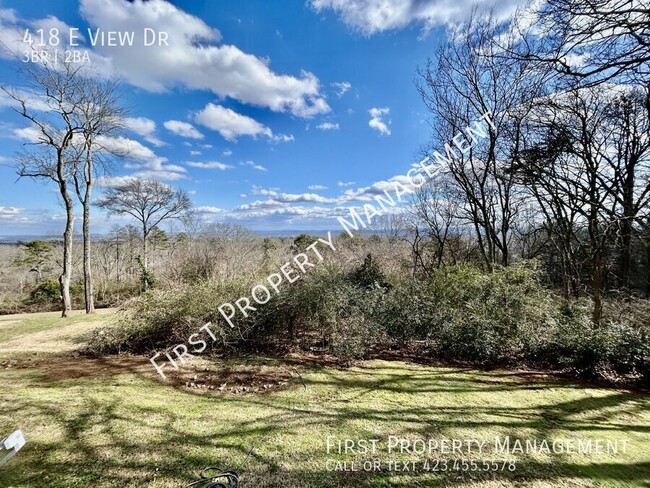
(258, 167)
(111, 181)
(282, 138)
(30, 133)
(341, 87)
(195, 59)
(209, 165)
(367, 193)
(227, 152)
(9, 15)
(268, 211)
(317, 187)
(10, 213)
(377, 121)
(209, 210)
(183, 129)
(32, 99)
(146, 163)
(195, 153)
(287, 198)
(328, 126)
(346, 183)
(15, 215)
(373, 16)
(144, 127)
(130, 147)
(229, 123)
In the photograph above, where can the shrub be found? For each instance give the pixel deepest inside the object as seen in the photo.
(487, 319)
(369, 274)
(161, 318)
(46, 292)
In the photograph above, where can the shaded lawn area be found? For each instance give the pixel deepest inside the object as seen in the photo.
(112, 422)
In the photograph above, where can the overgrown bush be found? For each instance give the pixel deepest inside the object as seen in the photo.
(501, 318)
(46, 295)
(161, 318)
(45, 292)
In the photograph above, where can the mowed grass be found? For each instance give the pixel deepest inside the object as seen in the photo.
(113, 422)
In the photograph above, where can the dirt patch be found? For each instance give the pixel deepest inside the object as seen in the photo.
(239, 380)
(206, 377)
(58, 368)
(210, 377)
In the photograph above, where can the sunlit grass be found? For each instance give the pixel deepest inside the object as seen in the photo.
(96, 424)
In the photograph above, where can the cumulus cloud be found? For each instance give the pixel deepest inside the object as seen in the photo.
(229, 123)
(287, 198)
(195, 58)
(282, 138)
(367, 193)
(374, 16)
(143, 127)
(183, 129)
(207, 209)
(328, 126)
(129, 147)
(346, 183)
(209, 165)
(146, 163)
(112, 181)
(377, 120)
(33, 100)
(317, 187)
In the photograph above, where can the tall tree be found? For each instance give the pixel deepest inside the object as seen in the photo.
(102, 117)
(466, 80)
(581, 179)
(150, 202)
(51, 103)
(71, 114)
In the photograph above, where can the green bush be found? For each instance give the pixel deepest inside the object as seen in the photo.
(161, 318)
(46, 292)
(324, 308)
(461, 314)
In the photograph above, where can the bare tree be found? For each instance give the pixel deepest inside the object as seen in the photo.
(592, 41)
(466, 80)
(102, 117)
(629, 160)
(51, 104)
(581, 172)
(150, 202)
(435, 212)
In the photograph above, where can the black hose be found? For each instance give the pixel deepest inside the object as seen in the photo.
(213, 477)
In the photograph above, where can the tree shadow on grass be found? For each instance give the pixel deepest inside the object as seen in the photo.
(100, 432)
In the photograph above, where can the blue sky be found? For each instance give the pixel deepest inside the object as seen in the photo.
(273, 115)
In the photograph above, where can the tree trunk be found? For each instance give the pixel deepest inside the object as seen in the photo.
(88, 279)
(647, 284)
(597, 289)
(64, 279)
(145, 280)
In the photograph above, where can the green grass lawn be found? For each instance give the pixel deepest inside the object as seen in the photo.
(112, 422)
